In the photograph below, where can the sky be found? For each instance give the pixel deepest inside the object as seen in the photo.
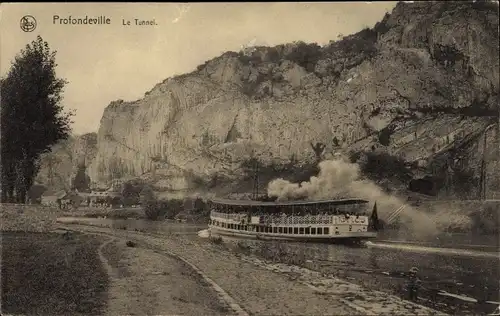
(103, 63)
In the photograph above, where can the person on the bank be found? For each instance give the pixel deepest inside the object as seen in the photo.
(413, 284)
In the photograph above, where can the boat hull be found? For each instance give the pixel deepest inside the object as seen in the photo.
(354, 237)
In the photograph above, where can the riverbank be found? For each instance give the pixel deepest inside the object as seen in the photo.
(260, 289)
(72, 273)
(118, 213)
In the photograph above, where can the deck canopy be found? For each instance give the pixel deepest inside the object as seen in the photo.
(341, 205)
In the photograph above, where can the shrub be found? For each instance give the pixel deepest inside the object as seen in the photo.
(216, 240)
(169, 208)
(131, 191)
(383, 165)
(149, 203)
(305, 55)
(381, 27)
(485, 221)
(152, 211)
(384, 136)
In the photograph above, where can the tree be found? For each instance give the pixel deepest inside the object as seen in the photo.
(149, 203)
(81, 181)
(384, 136)
(32, 117)
(130, 194)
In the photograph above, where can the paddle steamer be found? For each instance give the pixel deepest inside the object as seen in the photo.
(319, 221)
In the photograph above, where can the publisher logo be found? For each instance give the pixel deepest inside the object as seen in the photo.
(28, 23)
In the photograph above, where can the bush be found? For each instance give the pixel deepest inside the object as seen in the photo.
(131, 191)
(149, 203)
(305, 55)
(485, 221)
(216, 240)
(384, 136)
(382, 165)
(152, 211)
(169, 208)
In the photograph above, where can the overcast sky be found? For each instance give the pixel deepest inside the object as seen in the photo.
(108, 62)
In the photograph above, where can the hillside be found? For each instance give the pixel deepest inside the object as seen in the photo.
(58, 167)
(421, 85)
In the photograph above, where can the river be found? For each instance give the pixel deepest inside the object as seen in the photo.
(460, 273)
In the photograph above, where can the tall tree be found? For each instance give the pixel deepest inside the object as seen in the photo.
(32, 117)
(81, 181)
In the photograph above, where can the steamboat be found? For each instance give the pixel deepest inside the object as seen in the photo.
(345, 220)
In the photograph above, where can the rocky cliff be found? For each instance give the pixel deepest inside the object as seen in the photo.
(59, 167)
(422, 84)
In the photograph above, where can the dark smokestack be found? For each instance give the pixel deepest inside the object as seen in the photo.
(374, 218)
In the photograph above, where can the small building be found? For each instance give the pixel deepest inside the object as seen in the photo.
(52, 198)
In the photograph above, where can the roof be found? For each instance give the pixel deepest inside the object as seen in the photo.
(287, 203)
(59, 194)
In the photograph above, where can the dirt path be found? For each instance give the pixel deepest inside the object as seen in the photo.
(257, 290)
(145, 282)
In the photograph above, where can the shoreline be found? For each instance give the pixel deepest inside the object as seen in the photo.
(340, 296)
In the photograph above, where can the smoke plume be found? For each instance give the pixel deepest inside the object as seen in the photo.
(341, 179)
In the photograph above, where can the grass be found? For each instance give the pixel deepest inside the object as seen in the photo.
(124, 213)
(47, 274)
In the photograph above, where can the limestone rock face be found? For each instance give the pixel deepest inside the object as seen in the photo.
(58, 168)
(422, 60)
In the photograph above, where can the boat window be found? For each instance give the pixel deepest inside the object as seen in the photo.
(258, 229)
(313, 231)
(238, 227)
(326, 230)
(308, 230)
(320, 230)
(275, 230)
(280, 230)
(295, 230)
(301, 230)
